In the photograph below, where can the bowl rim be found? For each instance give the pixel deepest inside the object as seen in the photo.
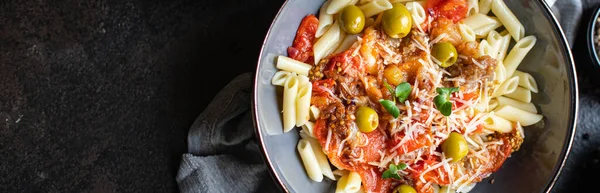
(569, 136)
(590, 36)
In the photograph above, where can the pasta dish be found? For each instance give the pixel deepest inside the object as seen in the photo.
(407, 96)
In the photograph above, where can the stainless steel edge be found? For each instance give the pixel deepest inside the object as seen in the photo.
(257, 130)
(574, 96)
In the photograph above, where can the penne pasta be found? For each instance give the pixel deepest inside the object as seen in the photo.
(341, 184)
(336, 5)
(508, 86)
(518, 53)
(497, 123)
(417, 12)
(493, 104)
(482, 24)
(466, 33)
(346, 43)
(308, 128)
(520, 94)
(529, 107)
(290, 91)
(473, 6)
(280, 77)
(291, 65)
(353, 183)
(303, 100)
(321, 157)
(517, 115)
(325, 19)
(400, 1)
(485, 49)
(495, 40)
(374, 7)
(327, 41)
(500, 72)
(314, 113)
(485, 6)
(503, 48)
(508, 19)
(311, 165)
(526, 81)
(504, 32)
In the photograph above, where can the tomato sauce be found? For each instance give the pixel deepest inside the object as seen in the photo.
(454, 10)
(301, 49)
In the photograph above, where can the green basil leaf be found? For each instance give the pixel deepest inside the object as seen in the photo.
(391, 107)
(393, 169)
(403, 91)
(446, 109)
(386, 174)
(439, 100)
(402, 166)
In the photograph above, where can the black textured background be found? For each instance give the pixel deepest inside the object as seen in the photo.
(97, 95)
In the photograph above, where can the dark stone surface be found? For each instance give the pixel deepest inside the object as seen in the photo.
(97, 96)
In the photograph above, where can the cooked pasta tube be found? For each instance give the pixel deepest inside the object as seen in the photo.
(353, 183)
(336, 5)
(280, 77)
(479, 21)
(485, 49)
(303, 100)
(348, 41)
(503, 49)
(518, 53)
(321, 157)
(495, 40)
(492, 104)
(314, 113)
(374, 7)
(508, 86)
(325, 19)
(466, 32)
(496, 123)
(311, 165)
(308, 127)
(517, 115)
(508, 19)
(417, 12)
(290, 91)
(520, 94)
(485, 6)
(526, 81)
(500, 72)
(341, 184)
(473, 6)
(291, 65)
(529, 107)
(328, 40)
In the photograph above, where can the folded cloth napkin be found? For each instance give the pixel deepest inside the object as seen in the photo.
(223, 153)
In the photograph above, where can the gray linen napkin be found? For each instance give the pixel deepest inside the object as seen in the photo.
(223, 153)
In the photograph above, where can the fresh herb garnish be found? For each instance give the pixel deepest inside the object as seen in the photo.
(401, 92)
(391, 107)
(392, 171)
(442, 100)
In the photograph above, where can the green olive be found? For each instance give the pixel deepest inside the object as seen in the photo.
(445, 52)
(397, 21)
(405, 189)
(352, 19)
(455, 146)
(366, 119)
